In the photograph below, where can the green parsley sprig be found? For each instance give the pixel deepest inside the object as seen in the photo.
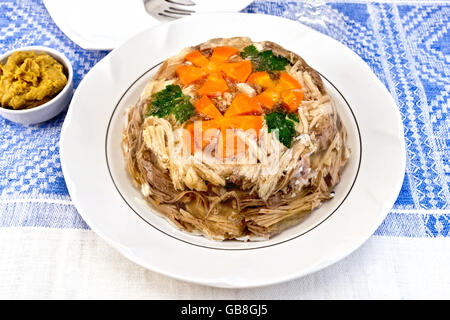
(264, 60)
(284, 124)
(171, 100)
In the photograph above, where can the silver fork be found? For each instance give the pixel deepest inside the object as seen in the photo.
(167, 10)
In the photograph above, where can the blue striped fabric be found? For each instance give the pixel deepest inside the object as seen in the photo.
(406, 43)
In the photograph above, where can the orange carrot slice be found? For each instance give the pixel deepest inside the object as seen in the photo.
(198, 135)
(268, 98)
(243, 104)
(292, 99)
(287, 82)
(205, 106)
(189, 74)
(238, 71)
(222, 54)
(214, 85)
(246, 123)
(197, 58)
(261, 78)
(188, 137)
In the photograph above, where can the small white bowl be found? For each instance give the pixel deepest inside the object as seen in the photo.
(51, 108)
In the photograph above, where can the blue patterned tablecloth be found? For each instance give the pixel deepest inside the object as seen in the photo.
(406, 43)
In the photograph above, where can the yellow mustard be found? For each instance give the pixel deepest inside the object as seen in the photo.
(29, 79)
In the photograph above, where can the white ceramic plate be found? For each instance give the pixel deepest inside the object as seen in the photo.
(105, 24)
(104, 195)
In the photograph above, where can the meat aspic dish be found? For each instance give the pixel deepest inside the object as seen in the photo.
(234, 139)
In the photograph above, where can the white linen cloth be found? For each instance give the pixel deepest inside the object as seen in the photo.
(39, 263)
